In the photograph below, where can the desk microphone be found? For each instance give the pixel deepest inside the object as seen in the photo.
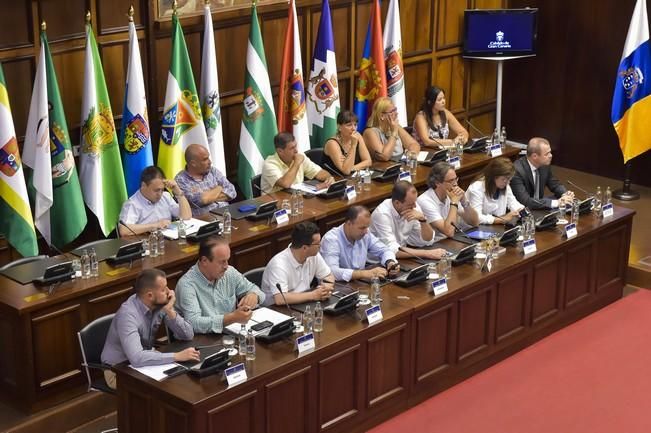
(291, 313)
(56, 250)
(475, 128)
(414, 256)
(579, 188)
(462, 231)
(334, 169)
(123, 224)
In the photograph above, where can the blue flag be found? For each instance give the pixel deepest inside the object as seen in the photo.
(135, 141)
(631, 109)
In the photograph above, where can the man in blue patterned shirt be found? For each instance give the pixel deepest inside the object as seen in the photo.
(212, 295)
(205, 187)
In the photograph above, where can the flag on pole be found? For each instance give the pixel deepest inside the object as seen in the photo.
(393, 61)
(59, 211)
(291, 98)
(182, 120)
(135, 139)
(631, 109)
(209, 91)
(102, 178)
(322, 88)
(258, 117)
(372, 81)
(16, 216)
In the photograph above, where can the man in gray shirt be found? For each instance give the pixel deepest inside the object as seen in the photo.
(212, 295)
(151, 207)
(133, 330)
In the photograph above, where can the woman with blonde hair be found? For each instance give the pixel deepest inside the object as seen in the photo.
(385, 137)
(491, 195)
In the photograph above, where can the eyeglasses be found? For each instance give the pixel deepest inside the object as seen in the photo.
(316, 245)
(455, 180)
(394, 111)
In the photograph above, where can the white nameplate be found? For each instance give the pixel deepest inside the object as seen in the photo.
(439, 286)
(350, 192)
(405, 175)
(496, 150)
(374, 315)
(570, 231)
(235, 374)
(607, 210)
(281, 216)
(455, 162)
(305, 343)
(529, 247)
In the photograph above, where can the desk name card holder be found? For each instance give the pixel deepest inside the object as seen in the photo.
(570, 231)
(529, 246)
(305, 343)
(235, 374)
(439, 286)
(373, 315)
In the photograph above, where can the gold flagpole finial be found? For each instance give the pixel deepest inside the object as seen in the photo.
(206, 3)
(130, 13)
(254, 2)
(87, 17)
(43, 26)
(175, 5)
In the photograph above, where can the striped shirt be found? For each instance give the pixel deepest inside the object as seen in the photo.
(193, 189)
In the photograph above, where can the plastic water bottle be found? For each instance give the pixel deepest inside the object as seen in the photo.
(301, 203)
(318, 317)
(228, 222)
(85, 265)
(153, 244)
(375, 291)
(182, 233)
(598, 198)
(575, 212)
(294, 203)
(503, 138)
(444, 267)
(161, 243)
(609, 196)
(241, 340)
(413, 164)
(308, 320)
(94, 264)
(250, 346)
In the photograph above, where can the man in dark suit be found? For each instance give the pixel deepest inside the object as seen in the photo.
(533, 173)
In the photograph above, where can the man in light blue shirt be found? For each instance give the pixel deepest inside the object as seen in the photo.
(346, 248)
(212, 295)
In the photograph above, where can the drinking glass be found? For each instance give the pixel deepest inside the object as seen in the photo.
(229, 343)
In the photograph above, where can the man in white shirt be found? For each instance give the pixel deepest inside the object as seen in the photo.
(398, 222)
(287, 167)
(294, 268)
(444, 203)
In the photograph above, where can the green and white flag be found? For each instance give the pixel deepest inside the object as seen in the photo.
(59, 211)
(258, 118)
(16, 216)
(102, 178)
(182, 119)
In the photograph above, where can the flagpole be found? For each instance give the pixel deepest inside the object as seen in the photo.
(626, 194)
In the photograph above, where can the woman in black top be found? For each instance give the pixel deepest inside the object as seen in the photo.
(346, 151)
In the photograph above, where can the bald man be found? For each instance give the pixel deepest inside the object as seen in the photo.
(205, 187)
(533, 173)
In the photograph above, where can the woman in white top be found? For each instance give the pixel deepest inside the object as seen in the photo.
(385, 138)
(434, 125)
(491, 194)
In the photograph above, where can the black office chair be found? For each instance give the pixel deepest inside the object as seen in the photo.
(316, 155)
(255, 185)
(254, 276)
(91, 342)
(22, 262)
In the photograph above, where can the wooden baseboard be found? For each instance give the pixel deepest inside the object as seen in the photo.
(69, 415)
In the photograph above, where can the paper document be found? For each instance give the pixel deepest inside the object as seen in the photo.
(308, 188)
(422, 156)
(191, 227)
(155, 371)
(259, 315)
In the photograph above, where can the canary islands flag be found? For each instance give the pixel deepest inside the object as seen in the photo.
(632, 99)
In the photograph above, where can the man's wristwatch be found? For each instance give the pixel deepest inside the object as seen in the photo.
(455, 205)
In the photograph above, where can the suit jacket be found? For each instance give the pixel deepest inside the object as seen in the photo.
(523, 187)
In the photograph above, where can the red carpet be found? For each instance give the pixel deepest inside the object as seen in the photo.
(593, 376)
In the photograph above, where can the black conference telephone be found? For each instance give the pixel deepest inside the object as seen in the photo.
(414, 276)
(476, 145)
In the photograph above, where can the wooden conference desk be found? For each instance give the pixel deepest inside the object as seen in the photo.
(40, 360)
(360, 375)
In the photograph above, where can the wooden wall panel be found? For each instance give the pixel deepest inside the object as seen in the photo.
(483, 76)
(69, 67)
(420, 76)
(65, 18)
(112, 16)
(115, 60)
(15, 72)
(230, 66)
(416, 18)
(17, 16)
(450, 23)
(449, 77)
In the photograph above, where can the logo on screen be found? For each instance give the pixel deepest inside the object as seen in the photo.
(499, 41)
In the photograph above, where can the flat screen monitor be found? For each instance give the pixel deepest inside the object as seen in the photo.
(500, 33)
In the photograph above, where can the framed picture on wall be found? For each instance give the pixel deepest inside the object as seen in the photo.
(164, 8)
